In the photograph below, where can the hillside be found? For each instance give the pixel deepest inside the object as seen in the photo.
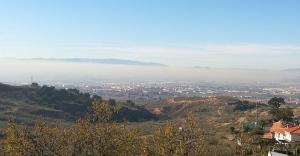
(29, 103)
(215, 114)
(222, 107)
(217, 119)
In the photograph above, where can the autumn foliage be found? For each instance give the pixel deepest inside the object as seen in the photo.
(97, 134)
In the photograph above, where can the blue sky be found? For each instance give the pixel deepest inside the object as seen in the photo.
(215, 33)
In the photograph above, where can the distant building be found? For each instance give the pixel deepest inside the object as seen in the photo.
(283, 132)
(276, 154)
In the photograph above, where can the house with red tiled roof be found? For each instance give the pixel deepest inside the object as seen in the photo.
(281, 131)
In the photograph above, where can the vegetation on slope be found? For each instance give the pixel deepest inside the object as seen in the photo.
(28, 103)
(97, 134)
(188, 126)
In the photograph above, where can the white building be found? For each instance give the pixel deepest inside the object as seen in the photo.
(283, 132)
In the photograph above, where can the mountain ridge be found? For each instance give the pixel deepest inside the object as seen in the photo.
(95, 60)
(292, 70)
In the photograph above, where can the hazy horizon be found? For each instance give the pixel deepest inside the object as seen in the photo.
(47, 71)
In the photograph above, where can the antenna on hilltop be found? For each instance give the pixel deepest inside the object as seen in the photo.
(31, 79)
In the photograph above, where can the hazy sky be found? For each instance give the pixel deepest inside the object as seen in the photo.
(46, 72)
(215, 33)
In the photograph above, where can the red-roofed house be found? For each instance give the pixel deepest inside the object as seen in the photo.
(283, 132)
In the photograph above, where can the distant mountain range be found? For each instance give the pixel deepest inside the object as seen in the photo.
(98, 61)
(292, 70)
(202, 67)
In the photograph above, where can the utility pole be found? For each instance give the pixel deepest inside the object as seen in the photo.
(256, 114)
(256, 103)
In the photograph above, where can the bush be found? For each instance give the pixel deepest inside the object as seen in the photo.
(97, 134)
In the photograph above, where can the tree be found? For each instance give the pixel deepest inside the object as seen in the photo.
(178, 140)
(248, 144)
(277, 113)
(34, 84)
(282, 114)
(85, 137)
(276, 102)
(104, 137)
(232, 129)
(102, 111)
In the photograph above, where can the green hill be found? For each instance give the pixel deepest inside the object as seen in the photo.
(29, 103)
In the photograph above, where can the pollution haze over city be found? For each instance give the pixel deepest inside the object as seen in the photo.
(145, 75)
